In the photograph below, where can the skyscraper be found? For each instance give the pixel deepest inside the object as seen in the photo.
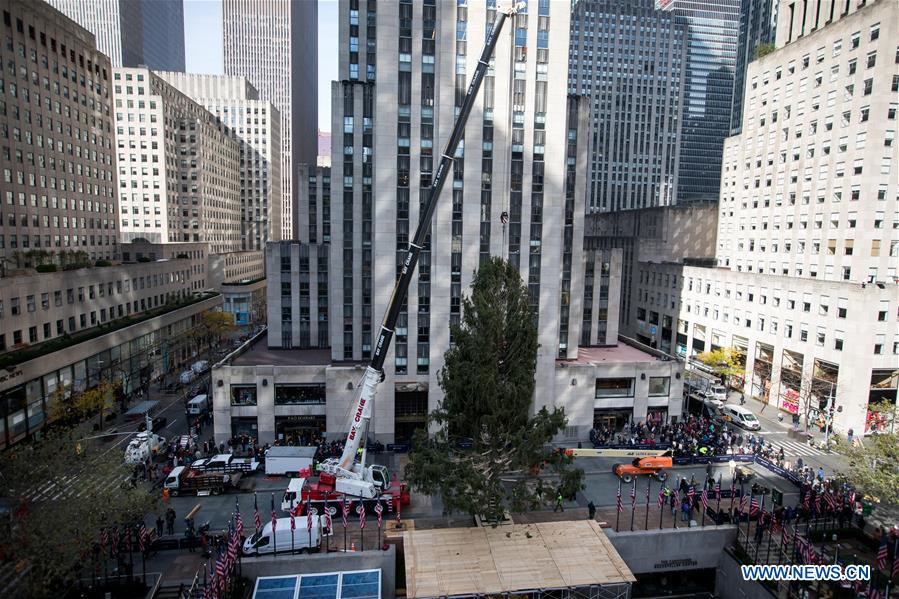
(708, 89)
(629, 58)
(256, 125)
(507, 194)
(133, 32)
(758, 24)
(274, 44)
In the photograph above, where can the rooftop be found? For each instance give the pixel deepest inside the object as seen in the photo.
(622, 352)
(259, 354)
(456, 562)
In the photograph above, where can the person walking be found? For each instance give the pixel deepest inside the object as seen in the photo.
(559, 500)
(159, 524)
(685, 511)
(170, 521)
(591, 510)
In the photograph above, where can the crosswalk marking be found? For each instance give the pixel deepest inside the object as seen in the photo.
(791, 447)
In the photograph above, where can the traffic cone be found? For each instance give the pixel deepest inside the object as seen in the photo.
(353, 546)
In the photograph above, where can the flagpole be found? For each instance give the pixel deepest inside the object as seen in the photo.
(617, 508)
(308, 521)
(749, 515)
(274, 532)
(758, 523)
(662, 508)
(633, 502)
(648, 489)
(718, 506)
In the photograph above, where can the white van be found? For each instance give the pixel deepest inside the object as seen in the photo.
(719, 392)
(286, 540)
(198, 405)
(741, 417)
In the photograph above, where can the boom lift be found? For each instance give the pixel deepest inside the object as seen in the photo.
(349, 476)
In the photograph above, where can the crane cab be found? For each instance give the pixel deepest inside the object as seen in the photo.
(380, 476)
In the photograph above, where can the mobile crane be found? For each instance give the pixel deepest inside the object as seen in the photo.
(346, 474)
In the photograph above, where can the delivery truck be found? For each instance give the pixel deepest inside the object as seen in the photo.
(288, 460)
(285, 540)
(185, 481)
(198, 406)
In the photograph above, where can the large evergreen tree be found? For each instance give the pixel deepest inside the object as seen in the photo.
(489, 454)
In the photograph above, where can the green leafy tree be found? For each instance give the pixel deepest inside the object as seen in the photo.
(488, 382)
(61, 492)
(874, 463)
(724, 361)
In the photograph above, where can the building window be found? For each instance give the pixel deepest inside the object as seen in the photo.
(299, 394)
(619, 387)
(243, 395)
(659, 386)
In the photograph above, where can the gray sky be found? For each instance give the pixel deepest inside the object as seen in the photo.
(203, 46)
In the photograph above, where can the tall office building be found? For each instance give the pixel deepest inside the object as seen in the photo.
(59, 183)
(256, 125)
(804, 279)
(178, 173)
(387, 143)
(758, 23)
(76, 307)
(133, 33)
(629, 58)
(274, 44)
(712, 27)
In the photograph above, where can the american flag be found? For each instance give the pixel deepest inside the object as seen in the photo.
(786, 536)
(618, 500)
(209, 591)
(115, 540)
(691, 493)
(718, 489)
(895, 572)
(238, 519)
(220, 573)
(806, 500)
(256, 519)
(293, 522)
(127, 533)
(361, 515)
(345, 511)
(142, 535)
(677, 496)
(274, 517)
(831, 501)
(647, 494)
(309, 516)
(705, 498)
(744, 503)
(754, 507)
(634, 495)
(661, 497)
(882, 553)
(818, 503)
(327, 523)
(378, 510)
(873, 593)
(104, 538)
(233, 548)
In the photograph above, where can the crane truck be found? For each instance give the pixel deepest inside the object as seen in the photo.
(346, 475)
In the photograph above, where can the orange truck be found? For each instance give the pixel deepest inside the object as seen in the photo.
(653, 466)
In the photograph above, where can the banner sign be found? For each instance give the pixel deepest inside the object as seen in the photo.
(616, 453)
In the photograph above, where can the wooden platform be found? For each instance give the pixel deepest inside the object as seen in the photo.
(469, 561)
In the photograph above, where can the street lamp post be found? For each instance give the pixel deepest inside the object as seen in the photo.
(829, 416)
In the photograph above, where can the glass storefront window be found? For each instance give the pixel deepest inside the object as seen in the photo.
(243, 395)
(659, 385)
(621, 387)
(299, 394)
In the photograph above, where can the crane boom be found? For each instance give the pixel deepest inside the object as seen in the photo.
(374, 371)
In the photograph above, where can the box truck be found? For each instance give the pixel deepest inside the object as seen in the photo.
(288, 460)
